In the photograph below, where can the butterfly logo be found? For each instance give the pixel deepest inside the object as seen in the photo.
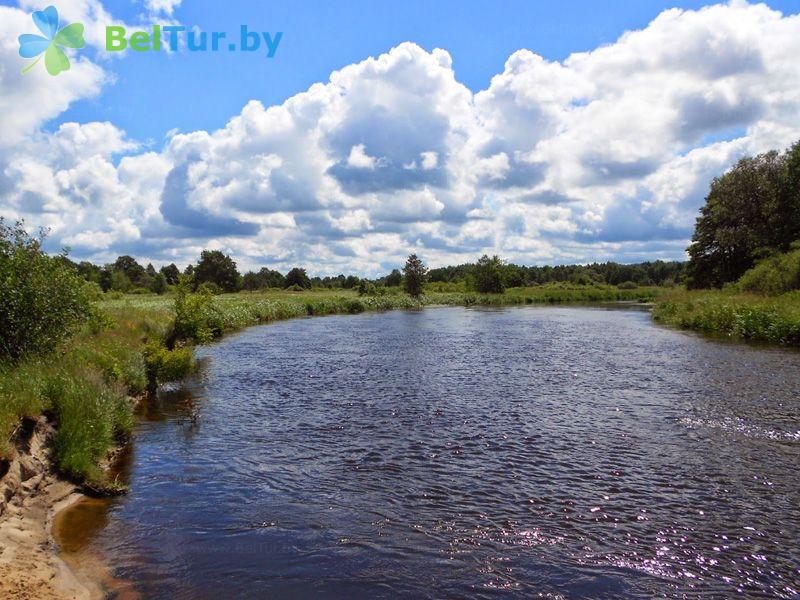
(33, 46)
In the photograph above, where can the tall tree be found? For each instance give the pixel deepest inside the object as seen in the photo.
(395, 278)
(786, 214)
(250, 281)
(750, 211)
(270, 278)
(298, 277)
(216, 267)
(488, 275)
(265, 278)
(171, 273)
(89, 271)
(415, 273)
(132, 269)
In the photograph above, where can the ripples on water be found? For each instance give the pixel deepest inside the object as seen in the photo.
(559, 452)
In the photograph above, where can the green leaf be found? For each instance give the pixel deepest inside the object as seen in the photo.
(55, 60)
(71, 36)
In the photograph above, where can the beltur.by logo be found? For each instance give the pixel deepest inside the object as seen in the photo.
(34, 46)
(53, 40)
(117, 39)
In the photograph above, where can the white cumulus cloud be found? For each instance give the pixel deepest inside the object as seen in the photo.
(604, 155)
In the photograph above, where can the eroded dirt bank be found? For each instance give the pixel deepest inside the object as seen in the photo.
(30, 496)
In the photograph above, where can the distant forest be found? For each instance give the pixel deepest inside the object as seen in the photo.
(219, 270)
(647, 273)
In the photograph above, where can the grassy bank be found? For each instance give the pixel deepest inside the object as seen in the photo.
(758, 318)
(229, 312)
(86, 386)
(137, 341)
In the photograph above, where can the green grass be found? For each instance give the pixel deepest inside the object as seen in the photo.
(123, 352)
(234, 311)
(230, 312)
(86, 386)
(772, 319)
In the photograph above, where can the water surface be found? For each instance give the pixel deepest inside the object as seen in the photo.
(566, 452)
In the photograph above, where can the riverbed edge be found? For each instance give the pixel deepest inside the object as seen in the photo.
(33, 494)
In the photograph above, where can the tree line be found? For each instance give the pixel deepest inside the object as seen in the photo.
(646, 273)
(217, 272)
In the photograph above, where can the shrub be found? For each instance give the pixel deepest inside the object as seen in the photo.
(774, 275)
(294, 288)
(383, 290)
(42, 299)
(92, 290)
(119, 281)
(165, 365)
(159, 284)
(366, 288)
(355, 306)
(114, 295)
(581, 279)
(195, 316)
(210, 288)
(451, 286)
(627, 285)
(139, 291)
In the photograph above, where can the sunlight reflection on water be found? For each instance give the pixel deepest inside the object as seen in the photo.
(566, 452)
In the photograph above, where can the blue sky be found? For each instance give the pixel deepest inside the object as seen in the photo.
(545, 132)
(202, 91)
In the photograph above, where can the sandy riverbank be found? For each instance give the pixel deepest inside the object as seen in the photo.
(30, 497)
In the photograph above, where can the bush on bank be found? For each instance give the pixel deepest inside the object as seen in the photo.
(42, 300)
(61, 355)
(772, 276)
(165, 365)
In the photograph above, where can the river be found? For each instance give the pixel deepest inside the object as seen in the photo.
(450, 452)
